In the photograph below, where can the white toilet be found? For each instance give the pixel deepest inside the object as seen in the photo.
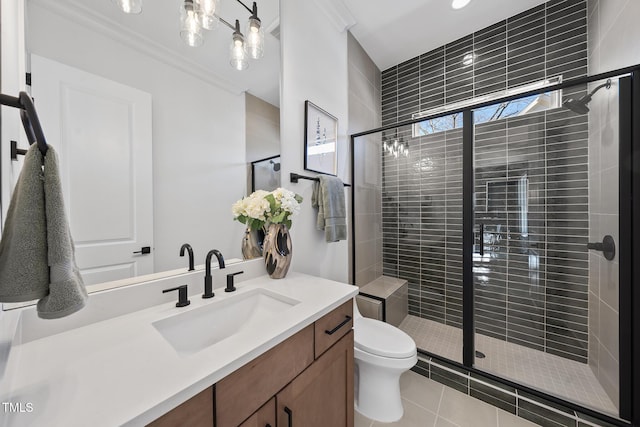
(382, 353)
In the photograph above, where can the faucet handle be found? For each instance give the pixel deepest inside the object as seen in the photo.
(230, 287)
(183, 301)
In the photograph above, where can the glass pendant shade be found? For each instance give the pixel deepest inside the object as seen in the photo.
(255, 38)
(237, 52)
(129, 6)
(207, 10)
(190, 29)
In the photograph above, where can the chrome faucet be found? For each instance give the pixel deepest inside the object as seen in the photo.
(208, 281)
(188, 248)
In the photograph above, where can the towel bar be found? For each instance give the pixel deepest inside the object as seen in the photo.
(294, 177)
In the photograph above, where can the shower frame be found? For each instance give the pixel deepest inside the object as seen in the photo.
(628, 245)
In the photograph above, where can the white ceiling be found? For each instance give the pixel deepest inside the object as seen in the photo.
(390, 31)
(394, 31)
(158, 26)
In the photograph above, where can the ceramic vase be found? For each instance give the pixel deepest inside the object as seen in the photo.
(252, 243)
(277, 251)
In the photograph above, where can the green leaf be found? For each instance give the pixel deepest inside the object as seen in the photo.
(279, 217)
(272, 202)
(288, 223)
(298, 198)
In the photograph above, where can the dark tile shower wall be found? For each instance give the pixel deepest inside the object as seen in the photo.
(535, 289)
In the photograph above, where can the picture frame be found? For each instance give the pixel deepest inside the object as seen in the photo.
(320, 140)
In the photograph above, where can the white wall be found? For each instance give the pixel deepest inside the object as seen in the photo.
(198, 136)
(613, 43)
(314, 68)
(365, 106)
(263, 128)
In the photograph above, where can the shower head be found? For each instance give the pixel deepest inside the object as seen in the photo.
(276, 166)
(580, 105)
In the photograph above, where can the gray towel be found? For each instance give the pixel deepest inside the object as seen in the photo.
(328, 197)
(24, 274)
(67, 293)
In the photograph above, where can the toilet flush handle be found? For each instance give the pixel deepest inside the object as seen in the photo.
(334, 330)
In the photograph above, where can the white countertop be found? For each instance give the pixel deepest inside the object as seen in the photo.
(121, 371)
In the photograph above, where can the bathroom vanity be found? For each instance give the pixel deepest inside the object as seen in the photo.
(306, 380)
(272, 353)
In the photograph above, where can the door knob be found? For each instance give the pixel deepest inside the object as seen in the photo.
(144, 250)
(608, 247)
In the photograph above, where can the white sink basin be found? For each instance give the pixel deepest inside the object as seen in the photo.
(194, 330)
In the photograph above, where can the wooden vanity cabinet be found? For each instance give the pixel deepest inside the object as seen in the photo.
(305, 381)
(244, 391)
(310, 375)
(264, 417)
(195, 412)
(322, 395)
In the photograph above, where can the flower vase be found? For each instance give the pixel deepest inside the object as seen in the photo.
(252, 243)
(277, 251)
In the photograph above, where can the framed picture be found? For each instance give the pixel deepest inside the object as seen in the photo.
(320, 140)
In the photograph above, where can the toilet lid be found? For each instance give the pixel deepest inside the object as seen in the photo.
(382, 339)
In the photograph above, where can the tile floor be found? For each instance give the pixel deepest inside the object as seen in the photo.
(556, 375)
(430, 404)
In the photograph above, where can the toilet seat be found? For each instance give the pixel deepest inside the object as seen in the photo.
(382, 339)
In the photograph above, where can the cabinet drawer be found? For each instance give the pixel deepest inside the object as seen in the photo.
(265, 417)
(333, 326)
(244, 391)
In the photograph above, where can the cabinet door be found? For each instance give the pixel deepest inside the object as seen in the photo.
(323, 394)
(244, 391)
(195, 412)
(265, 417)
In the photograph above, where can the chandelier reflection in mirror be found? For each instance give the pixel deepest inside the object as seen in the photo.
(395, 146)
(196, 15)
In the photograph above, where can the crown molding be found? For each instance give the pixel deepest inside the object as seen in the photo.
(79, 13)
(338, 13)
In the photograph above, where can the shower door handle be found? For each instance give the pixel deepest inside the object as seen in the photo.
(481, 239)
(608, 247)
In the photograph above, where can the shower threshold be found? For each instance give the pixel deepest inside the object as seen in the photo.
(558, 376)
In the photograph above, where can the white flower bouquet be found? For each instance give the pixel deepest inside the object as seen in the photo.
(262, 208)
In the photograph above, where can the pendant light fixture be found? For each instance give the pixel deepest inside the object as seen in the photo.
(129, 6)
(238, 52)
(255, 34)
(396, 147)
(208, 18)
(198, 14)
(190, 28)
(252, 45)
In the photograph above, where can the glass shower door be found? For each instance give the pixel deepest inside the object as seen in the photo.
(545, 185)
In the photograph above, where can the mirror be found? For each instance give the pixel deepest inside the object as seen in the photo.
(200, 110)
(265, 174)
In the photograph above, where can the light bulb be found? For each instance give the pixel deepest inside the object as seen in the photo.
(237, 52)
(208, 19)
(129, 6)
(255, 38)
(190, 29)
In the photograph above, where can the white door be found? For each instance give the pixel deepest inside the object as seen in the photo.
(101, 131)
